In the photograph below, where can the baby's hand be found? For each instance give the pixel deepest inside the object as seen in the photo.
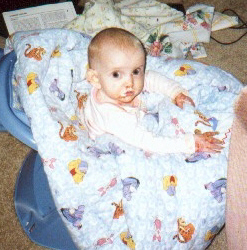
(181, 99)
(206, 142)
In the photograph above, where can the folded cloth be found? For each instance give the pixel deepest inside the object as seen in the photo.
(142, 18)
(223, 21)
(163, 30)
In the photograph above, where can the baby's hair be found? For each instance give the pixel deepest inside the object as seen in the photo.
(118, 37)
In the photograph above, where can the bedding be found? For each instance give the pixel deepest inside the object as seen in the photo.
(110, 194)
(163, 30)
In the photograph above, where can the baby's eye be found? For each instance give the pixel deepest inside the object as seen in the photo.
(136, 72)
(116, 74)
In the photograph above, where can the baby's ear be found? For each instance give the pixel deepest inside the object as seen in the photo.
(92, 77)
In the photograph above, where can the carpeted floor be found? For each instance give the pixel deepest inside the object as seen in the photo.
(232, 58)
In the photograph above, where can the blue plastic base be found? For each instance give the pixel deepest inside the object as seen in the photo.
(2, 128)
(1, 52)
(14, 121)
(35, 207)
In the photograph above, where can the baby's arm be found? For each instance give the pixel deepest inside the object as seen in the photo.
(155, 82)
(125, 126)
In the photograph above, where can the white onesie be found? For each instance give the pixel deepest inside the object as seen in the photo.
(124, 122)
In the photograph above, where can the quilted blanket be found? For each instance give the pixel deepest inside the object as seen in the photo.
(163, 30)
(110, 194)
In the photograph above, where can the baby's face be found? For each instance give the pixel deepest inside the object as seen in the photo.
(120, 74)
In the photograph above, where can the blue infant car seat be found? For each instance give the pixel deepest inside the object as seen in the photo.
(34, 204)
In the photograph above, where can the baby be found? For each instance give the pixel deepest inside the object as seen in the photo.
(117, 74)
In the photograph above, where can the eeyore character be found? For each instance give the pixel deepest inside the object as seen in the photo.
(115, 150)
(130, 184)
(217, 188)
(54, 89)
(74, 215)
(197, 156)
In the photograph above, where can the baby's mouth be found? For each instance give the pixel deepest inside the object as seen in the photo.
(129, 93)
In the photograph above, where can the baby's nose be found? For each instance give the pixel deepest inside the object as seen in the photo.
(129, 82)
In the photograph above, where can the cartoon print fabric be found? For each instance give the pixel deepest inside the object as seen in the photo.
(112, 195)
(163, 30)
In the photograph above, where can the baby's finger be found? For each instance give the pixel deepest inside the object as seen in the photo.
(212, 151)
(210, 134)
(214, 147)
(209, 150)
(190, 101)
(214, 140)
(180, 104)
(217, 147)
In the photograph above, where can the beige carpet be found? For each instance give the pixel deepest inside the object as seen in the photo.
(231, 58)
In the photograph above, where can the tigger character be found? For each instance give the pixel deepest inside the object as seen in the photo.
(35, 53)
(119, 210)
(32, 82)
(211, 233)
(210, 122)
(56, 52)
(81, 99)
(69, 133)
(185, 231)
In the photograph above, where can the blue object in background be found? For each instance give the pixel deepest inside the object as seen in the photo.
(36, 209)
(34, 204)
(14, 121)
